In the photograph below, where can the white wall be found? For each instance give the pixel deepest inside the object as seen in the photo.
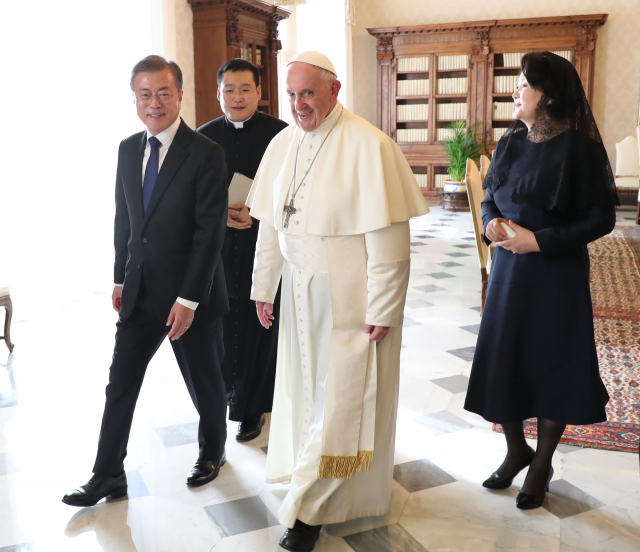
(66, 107)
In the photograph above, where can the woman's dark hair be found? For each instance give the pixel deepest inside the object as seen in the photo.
(559, 82)
(239, 64)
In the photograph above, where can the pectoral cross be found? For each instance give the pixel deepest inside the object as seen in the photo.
(290, 210)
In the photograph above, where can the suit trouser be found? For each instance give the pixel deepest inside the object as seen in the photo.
(199, 353)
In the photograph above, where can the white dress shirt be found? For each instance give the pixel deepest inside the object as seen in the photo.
(166, 139)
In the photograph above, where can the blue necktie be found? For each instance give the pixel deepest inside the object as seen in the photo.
(151, 172)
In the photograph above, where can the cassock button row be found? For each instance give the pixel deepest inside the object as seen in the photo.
(298, 223)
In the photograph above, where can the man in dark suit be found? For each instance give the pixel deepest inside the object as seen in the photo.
(171, 212)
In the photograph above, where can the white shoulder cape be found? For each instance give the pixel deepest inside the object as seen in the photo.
(362, 181)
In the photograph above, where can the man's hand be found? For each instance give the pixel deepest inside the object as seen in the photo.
(265, 313)
(180, 319)
(376, 333)
(239, 217)
(116, 297)
(524, 242)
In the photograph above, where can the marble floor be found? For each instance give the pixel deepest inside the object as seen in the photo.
(51, 400)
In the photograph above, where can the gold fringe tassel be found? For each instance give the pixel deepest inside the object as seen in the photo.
(345, 467)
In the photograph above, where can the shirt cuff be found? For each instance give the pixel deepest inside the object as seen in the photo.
(189, 304)
(118, 285)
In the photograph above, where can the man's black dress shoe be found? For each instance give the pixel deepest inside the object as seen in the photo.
(98, 487)
(496, 481)
(526, 501)
(302, 538)
(205, 471)
(250, 428)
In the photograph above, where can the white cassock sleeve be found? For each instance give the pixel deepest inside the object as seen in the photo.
(267, 265)
(388, 264)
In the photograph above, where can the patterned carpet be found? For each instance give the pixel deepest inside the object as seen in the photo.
(615, 291)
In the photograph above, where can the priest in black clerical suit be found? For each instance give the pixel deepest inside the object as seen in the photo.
(171, 209)
(249, 365)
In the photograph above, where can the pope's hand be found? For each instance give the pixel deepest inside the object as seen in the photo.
(180, 319)
(524, 241)
(265, 313)
(376, 333)
(239, 217)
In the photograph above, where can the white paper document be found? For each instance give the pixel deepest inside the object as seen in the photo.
(239, 188)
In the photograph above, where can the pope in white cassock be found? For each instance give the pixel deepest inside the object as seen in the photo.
(334, 196)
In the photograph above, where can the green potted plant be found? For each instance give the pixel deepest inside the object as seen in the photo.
(462, 144)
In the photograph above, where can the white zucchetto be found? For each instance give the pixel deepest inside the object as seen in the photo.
(314, 58)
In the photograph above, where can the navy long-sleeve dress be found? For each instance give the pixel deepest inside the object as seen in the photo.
(536, 353)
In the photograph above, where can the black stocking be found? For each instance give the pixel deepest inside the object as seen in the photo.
(517, 449)
(549, 434)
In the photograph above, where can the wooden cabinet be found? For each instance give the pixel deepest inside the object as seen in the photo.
(431, 75)
(228, 29)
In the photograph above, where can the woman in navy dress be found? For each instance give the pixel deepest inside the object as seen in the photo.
(551, 183)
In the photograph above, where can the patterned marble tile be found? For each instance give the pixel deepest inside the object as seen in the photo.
(419, 475)
(25, 547)
(566, 449)
(465, 353)
(265, 449)
(468, 239)
(453, 384)
(449, 264)
(180, 434)
(393, 538)
(407, 322)
(457, 254)
(8, 464)
(440, 275)
(136, 485)
(429, 288)
(439, 224)
(565, 500)
(417, 243)
(463, 246)
(477, 309)
(418, 304)
(474, 328)
(240, 516)
(443, 422)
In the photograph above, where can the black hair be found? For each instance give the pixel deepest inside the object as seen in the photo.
(238, 64)
(154, 64)
(558, 80)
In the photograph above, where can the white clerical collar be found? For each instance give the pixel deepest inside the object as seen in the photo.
(329, 119)
(167, 135)
(240, 124)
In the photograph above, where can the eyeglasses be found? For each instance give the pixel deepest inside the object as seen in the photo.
(163, 97)
(231, 93)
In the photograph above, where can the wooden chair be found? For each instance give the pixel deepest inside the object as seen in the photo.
(5, 301)
(627, 170)
(484, 168)
(638, 210)
(476, 194)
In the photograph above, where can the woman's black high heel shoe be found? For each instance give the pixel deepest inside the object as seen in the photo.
(496, 481)
(529, 502)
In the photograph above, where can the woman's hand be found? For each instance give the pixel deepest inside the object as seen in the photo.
(524, 241)
(495, 232)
